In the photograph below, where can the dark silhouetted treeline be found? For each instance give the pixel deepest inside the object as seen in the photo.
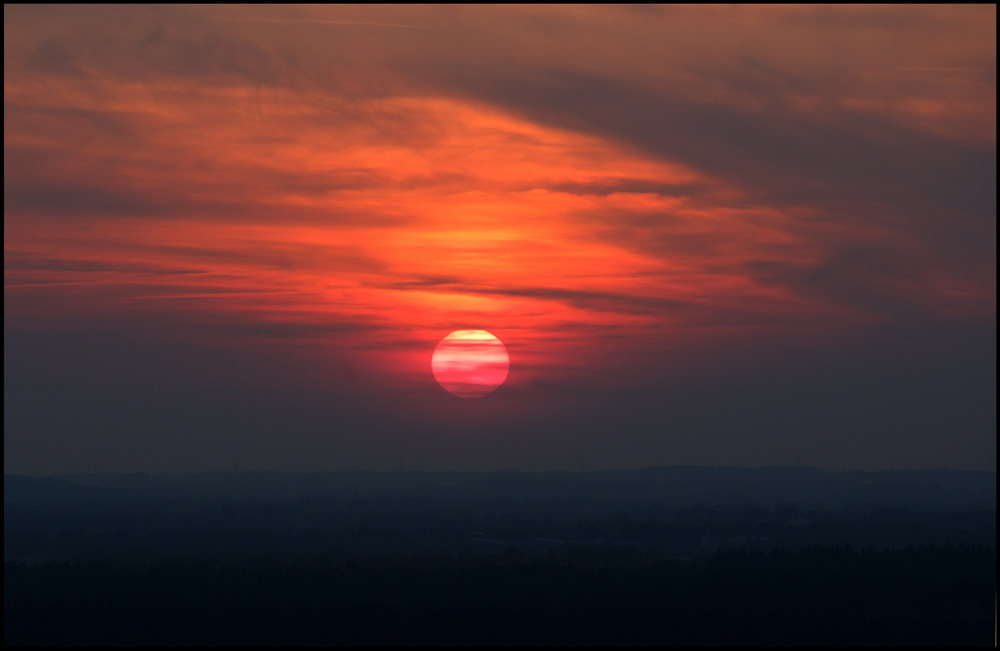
(816, 595)
(499, 559)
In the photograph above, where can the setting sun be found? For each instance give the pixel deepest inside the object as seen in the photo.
(470, 363)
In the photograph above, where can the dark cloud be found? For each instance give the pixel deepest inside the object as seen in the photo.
(604, 187)
(82, 202)
(878, 17)
(265, 254)
(600, 301)
(134, 42)
(21, 261)
(225, 202)
(777, 157)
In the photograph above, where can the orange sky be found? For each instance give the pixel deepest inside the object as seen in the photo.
(593, 184)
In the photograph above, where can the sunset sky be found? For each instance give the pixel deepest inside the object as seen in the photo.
(714, 235)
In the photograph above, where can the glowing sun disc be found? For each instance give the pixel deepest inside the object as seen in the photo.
(470, 363)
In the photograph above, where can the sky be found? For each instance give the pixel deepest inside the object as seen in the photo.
(708, 235)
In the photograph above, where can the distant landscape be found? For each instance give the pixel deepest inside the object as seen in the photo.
(675, 555)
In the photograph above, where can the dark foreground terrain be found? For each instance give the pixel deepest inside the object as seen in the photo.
(694, 556)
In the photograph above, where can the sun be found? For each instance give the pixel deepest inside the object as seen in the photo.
(470, 363)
